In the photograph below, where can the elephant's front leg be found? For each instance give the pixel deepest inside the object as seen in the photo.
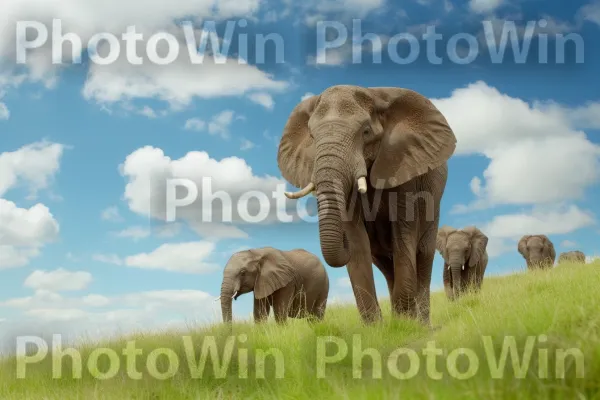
(360, 272)
(404, 297)
(261, 309)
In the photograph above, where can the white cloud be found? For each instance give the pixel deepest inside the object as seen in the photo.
(313, 11)
(97, 16)
(147, 170)
(23, 232)
(187, 257)
(247, 145)
(134, 232)
(306, 96)
(568, 244)
(35, 165)
(264, 99)
(4, 113)
(178, 83)
(537, 154)
(505, 230)
(108, 259)
(96, 316)
(111, 214)
(194, 124)
(219, 124)
(58, 280)
(591, 12)
(484, 6)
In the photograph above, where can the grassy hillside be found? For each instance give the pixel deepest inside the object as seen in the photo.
(548, 314)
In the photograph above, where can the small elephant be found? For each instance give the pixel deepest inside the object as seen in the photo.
(465, 258)
(538, 251)
(294, 283)
(572, 256)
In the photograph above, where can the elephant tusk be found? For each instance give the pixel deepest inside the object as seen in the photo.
(362, 184)
(301, 193)
(234, 293)
(463, 267)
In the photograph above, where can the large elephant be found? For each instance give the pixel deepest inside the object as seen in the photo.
(383, 149)
(576, 256)
(538, 251)
(294, 283)
(465, 258)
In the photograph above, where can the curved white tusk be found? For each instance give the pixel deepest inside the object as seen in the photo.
(234, 293)
(362, 184)
(463, 267)
(448, 268)
(301, 193)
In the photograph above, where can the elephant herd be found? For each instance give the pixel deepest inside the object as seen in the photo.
(376, 159)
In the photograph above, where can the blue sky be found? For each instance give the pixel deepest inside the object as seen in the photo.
(81, 249)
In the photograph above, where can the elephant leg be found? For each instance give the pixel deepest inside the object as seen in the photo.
(386, 266)
(262, 308)
(405, 273)
(424, 268)
(282, 302)
(447, 278)
(318, 309)
(470, 278)
(360, 272)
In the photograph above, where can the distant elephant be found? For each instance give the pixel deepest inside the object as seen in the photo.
(538, 251)
(376, 160)
(294, 283)
(572, 256)
(465, 258)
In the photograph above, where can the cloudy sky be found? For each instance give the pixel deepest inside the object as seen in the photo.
(85, 148)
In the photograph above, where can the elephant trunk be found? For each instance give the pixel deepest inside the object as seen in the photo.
(338, 166)
(332, 191)
(457, 283)
(227, 292)
(456, 266)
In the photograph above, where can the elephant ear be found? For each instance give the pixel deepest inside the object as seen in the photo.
(442, 238)
(549, 247)
(522, 246)
(479, 243)
(296, 153)
(416, 137)
(274, 272)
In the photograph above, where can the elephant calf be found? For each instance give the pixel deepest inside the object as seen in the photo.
(538, 251)
(293, 282)
(465, 258)
(572, 256)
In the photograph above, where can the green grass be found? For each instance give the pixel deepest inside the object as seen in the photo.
(563, 304)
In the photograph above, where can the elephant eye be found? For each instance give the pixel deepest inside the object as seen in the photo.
(366, 131)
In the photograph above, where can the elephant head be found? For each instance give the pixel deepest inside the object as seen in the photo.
(260, 270)
(537, 249)
(347, 136)
(460, 249)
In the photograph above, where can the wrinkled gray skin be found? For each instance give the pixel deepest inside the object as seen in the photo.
(465, 259)
(572, 256)
(293, 282)
(538, 251)
(391, 145)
